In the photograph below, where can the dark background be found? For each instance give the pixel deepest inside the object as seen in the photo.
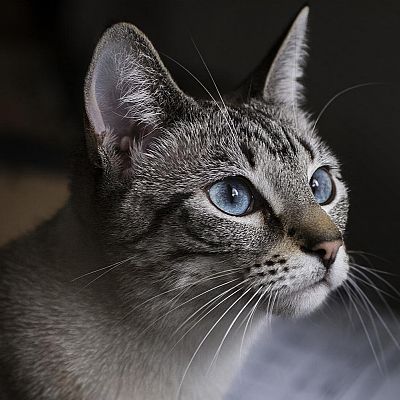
(45, 49)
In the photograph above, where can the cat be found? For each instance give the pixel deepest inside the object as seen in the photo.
(189, 222)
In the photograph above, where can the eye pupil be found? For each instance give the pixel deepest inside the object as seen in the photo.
(231, 195)
(322, 186)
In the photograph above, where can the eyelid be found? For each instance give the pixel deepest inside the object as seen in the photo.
(246, 182)
(333, 193)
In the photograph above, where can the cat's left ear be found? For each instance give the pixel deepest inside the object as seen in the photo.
(282, 85)
(129, 95)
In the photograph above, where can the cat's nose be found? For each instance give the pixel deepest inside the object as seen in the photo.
(327, 251)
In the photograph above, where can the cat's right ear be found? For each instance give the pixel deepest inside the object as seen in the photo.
(282, 83)
(129, 96)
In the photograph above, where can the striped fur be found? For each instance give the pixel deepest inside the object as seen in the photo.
(139, 205)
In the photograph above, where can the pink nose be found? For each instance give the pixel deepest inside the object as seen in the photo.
(327, 251)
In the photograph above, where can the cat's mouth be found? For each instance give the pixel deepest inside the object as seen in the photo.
(301, 301)
(321, 281)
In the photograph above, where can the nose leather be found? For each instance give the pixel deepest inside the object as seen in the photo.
(327, 251)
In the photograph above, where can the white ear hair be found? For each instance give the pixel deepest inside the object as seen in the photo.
(128, 91)
(120, 93)
(282, 84)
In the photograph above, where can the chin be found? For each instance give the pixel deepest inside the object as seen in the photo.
(301, 303)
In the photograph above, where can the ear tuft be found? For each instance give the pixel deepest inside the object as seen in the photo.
(282, 84)
(129, 94)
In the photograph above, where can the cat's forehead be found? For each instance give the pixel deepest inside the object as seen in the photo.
(262, 143)
(268, 137)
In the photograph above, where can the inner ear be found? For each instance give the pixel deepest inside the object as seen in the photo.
(121, 98)
(129, 95)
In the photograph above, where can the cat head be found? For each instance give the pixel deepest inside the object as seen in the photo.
(222, 197)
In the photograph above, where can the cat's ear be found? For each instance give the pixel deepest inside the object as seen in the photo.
(129, 94)
(282, 84)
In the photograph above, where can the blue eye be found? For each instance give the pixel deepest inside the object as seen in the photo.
(232, 196)
(322, 186)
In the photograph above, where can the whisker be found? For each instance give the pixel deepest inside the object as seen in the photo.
(191, 299)
(337, 95)
(205, 338)
(367, 307)
(249, 316)
(378, 271)
(101, 269)
(345, 306)
(373, 308)
(230, 327)
(208, 312)
(374, 273)
(217, 275)
(349, 292)
(271, 307)
(367, 281)
(113, 267)
(380, 293)
(211, 277)
(365, 255)
(186, 302)
(204, 87)
(216, 87)
(192, 75)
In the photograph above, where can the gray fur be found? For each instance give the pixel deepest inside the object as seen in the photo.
(140, 197)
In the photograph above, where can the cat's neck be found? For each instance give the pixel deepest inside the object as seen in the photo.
(142, 350)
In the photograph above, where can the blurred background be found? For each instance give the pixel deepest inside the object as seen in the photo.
(46, 46)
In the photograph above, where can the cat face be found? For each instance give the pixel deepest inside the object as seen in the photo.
(214, 198)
